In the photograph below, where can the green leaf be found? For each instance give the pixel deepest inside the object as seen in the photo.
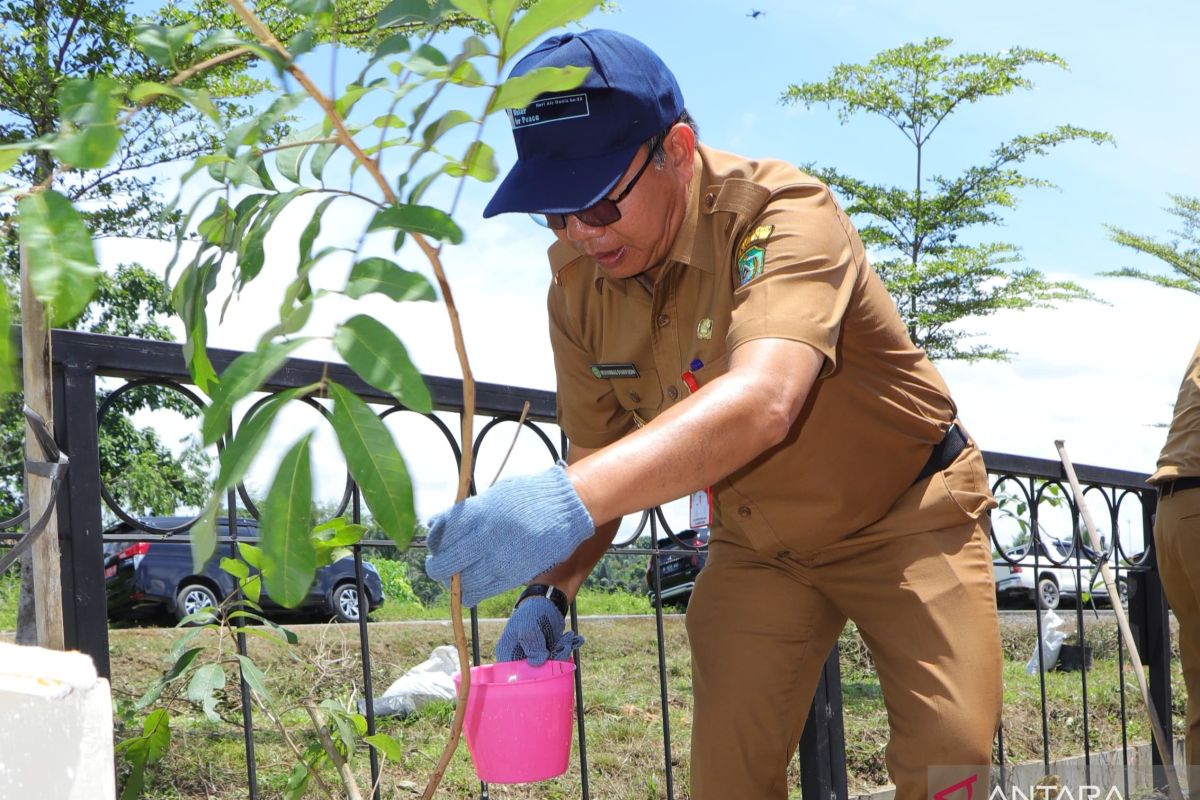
(312, 230)
(479, 163)
(251, 252)
(502, 13)
(380, 358)
(255, 678)
(338, 532)
(375, 464)
(246, 374)
(235, 568)
(148, 89)
(217, 226)
(190, 300)
(289, 562)
(386, 745)
(236, 172)
(203, 534)
(252, 588)
(393, 45)
(202, 101)
(181, 665)
(448, 121)
(10, 379)
(473, 8)
(520, 91)
(62, 263)
(418, 219)
(321, 155)
(89, 135)
(157, 732)
(202, 688)
(542, 17)
(405, 12)
(250, 554)
(287, 160)
(379, 275)
(308, 7)
(9, 156)
(239, 454)
(163, 44)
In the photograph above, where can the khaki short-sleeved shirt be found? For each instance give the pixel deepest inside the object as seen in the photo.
(1181, 454)
(764, 252)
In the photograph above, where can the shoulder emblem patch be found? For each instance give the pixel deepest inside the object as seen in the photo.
(752, 253)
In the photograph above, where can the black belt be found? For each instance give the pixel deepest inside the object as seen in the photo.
(1168, 488)
(944, 453)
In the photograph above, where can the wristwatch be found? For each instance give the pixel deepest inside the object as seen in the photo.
(551, 593)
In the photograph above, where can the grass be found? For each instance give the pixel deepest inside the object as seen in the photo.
(622, 712)
(589, 602)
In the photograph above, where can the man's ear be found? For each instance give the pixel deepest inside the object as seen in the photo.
(680, 147)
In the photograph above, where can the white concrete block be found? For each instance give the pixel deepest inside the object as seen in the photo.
(56, 729)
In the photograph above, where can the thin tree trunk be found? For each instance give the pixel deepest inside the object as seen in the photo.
(41, 584)
(39, 395)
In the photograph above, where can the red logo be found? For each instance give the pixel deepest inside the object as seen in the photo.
(968, 784)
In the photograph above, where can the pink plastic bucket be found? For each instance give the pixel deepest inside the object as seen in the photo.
(519, 720)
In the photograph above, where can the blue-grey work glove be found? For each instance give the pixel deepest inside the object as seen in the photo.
(508, 535)
(535, 632)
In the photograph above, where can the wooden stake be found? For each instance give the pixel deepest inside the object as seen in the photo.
(37, 382)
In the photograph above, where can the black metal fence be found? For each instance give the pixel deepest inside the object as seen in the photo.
(80, 360)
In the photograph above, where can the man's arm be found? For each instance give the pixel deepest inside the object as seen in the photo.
(701, 440)
(570, 575)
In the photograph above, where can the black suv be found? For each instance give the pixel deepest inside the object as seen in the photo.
(681, 563)
(158, 574)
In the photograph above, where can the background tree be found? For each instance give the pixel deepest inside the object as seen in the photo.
(936, 279)
(1182, 254)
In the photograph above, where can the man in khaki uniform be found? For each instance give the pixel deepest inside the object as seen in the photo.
(1177, 545)
(715, 323)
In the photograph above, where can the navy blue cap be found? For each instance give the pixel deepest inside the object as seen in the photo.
(573, 146)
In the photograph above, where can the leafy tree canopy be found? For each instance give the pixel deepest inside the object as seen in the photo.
(936, 279)
(1181, 254)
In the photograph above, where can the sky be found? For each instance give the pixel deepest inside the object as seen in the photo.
(1101, 375)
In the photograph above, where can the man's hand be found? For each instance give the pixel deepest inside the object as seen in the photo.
(535, 632)
(506, 536)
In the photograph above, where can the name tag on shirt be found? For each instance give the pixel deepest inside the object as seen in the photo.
(610, 371)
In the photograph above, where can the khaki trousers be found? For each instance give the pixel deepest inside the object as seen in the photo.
(761, 627)
(1177, 543)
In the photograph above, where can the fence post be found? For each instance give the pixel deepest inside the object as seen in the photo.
(85, 607)
(823, 743)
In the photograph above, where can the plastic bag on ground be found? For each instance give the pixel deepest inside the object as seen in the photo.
(429, 680)
(1051, 640)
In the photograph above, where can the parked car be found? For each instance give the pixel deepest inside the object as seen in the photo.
(678, 573)
(1049, 585)
(158, 574)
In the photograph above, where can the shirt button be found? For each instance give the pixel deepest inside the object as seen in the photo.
(672, 392)
(635, 397)
(663, 320)
(743, 511)
(709, 200)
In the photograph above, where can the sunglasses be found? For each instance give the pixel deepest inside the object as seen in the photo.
(605, 211)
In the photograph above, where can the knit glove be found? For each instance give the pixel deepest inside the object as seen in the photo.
(508, 535)
(535, 633)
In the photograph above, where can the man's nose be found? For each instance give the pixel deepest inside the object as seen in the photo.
(579, 231)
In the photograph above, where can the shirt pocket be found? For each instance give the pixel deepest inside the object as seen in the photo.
(642, 395)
